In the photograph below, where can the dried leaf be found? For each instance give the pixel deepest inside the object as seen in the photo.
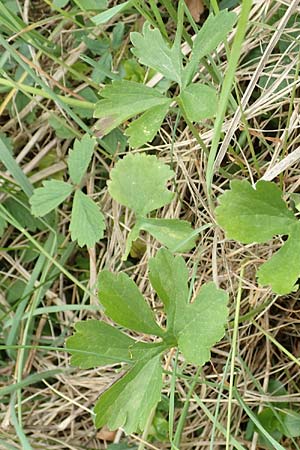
(196, 8)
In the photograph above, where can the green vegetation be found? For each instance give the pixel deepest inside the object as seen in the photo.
(149, 225)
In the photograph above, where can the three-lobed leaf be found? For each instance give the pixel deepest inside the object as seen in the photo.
(87, 222)
(130, 401)
(249, 215)
(138, 182)
(124, 303)
(48, 197)
(80, 157)
(152, 51)
(123, 100)
(194, 327)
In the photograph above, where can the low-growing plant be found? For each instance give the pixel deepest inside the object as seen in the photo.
(87, 222)
(138, 182)
(192, 327)
(123, 100)
(256, 214)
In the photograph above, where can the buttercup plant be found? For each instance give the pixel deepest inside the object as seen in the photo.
(192, 327)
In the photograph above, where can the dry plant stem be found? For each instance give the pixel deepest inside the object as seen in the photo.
(251, 86)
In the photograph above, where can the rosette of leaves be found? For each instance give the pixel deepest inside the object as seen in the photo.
(192, 327)
(256, 214)
(123, 100)
(87, 222)
(138, 182)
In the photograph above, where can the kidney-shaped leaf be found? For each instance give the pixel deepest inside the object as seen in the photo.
(124, 303)
(138, 182)
(152, 51)
(48, 197)
(201, 324)
(130, 401)
(123, 100)
(87, 222)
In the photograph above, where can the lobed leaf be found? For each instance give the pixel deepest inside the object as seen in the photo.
(282, 270)
(152, 51)
(124, 303)
(130, 401)
(213, 32)
(80, 157)
(123, 100)
(199, 102)
(144, 128)
(201, 324)
(48, 197)
(254, 214)
(87, 222)
(138, 182)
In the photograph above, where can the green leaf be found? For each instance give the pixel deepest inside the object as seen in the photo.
(199, 102)
(145, 127)
(103, 343)
(13, 167)
(96, 343)
(20, 210)
(291, 423)
(201, 324)
(177, 235)
(87, 222)
(213, 32)
(122, 100)
(283, 269)
(80, 157)
(138, 182)
(86, 5)
(254, 215)
(169, 278)
(3, 225)
(152, 51)
(130, 401)
(111, 12)
(124, 303)
(48, 197)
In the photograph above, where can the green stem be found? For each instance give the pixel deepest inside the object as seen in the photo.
(226, 91)
(233, 354)
(184, 411)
